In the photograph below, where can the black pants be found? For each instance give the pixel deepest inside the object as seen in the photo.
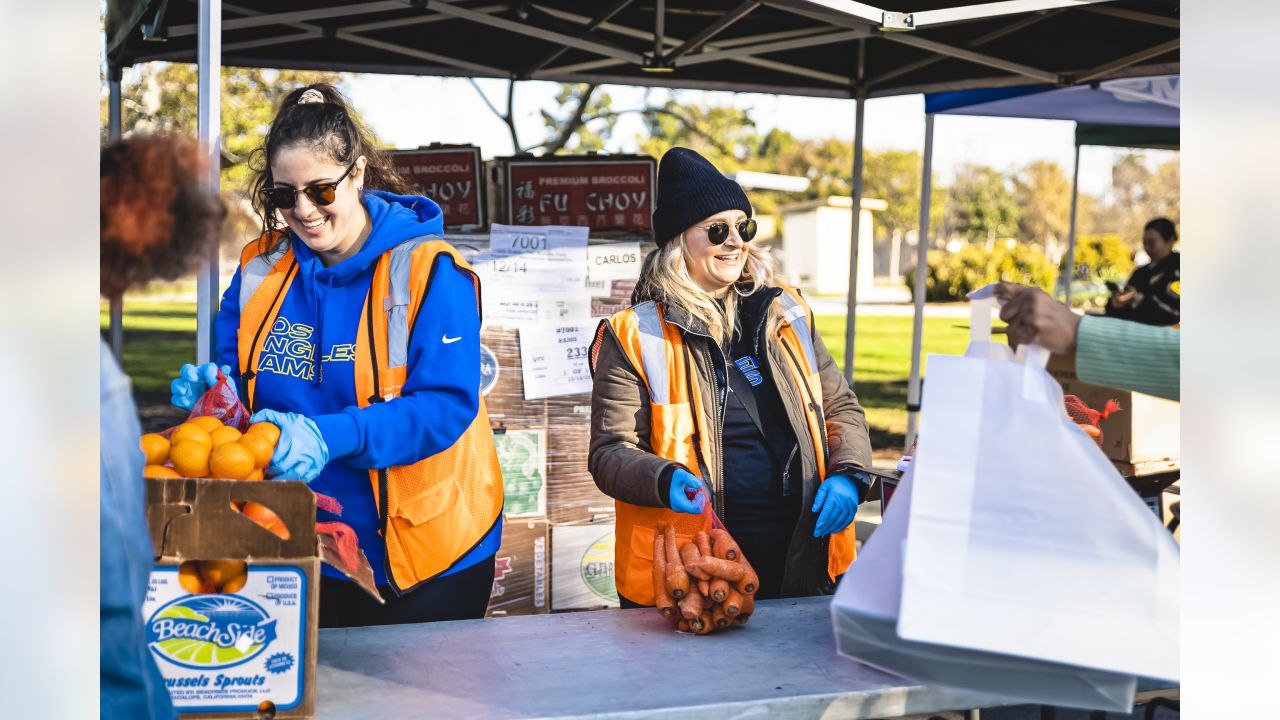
(461, 596)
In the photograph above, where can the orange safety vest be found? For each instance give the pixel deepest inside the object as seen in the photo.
(432, 512)
(657, 352)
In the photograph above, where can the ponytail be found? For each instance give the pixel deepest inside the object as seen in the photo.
(317, 117)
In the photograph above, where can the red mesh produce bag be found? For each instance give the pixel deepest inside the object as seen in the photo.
(220, 402)
(1086, 417)
(705, 584)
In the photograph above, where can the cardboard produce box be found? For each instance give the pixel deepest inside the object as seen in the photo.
(572, 495)
(520, 570)
(1145, 430)
(232, 654)
(502, 383)
(522, 455)
(582, 567)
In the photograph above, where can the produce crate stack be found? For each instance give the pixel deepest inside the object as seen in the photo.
(544, 291)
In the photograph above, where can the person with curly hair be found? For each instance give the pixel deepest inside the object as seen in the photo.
(157, 218)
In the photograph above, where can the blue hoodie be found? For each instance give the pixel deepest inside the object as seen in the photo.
(319, 318)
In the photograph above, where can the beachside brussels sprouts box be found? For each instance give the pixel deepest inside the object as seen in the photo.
(231, 611)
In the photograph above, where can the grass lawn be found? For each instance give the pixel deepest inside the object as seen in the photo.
(160, 336)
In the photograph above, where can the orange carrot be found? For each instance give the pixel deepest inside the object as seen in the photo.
(689, 557)
(723, 545)
(691, 605)
(719, 589)
(727, 569)
(733, 603)
(661, 598)
(677, 577)
(707, 623)
(719, 617)
(748, 583)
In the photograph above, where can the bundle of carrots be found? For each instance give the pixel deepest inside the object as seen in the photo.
(703, 585)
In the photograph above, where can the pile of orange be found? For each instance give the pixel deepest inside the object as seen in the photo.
(204, 447)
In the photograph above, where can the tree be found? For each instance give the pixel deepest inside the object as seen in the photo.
(1138, 195)
(164, 98)
(1043, 195)
(981, 206)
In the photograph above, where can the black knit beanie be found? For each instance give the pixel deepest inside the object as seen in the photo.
(691, 189)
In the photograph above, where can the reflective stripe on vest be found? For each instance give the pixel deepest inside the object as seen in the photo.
(653, 352)
(397, 301)
(798, 318)
(253, 272)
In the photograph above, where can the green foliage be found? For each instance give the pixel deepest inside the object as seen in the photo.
(981, 205)
(1043, 194)
(1101, 258)
(164, 98)
(949, 277)
(582, 121)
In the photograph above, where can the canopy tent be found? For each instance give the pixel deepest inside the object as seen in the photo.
(824, 48)
(1131, 112)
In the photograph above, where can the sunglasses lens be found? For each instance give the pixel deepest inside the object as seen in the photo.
(283, 198)
(717, 233)
(321, 194)
(747, 229)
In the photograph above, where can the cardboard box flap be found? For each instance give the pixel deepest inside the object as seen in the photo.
(193, 519)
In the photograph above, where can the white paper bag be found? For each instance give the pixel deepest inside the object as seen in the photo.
(1024, 540)
(865, 614)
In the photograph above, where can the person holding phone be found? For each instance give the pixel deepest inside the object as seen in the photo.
(1153, 295)
(715, 387)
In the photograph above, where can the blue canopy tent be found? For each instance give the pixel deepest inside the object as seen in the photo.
(1131, 112)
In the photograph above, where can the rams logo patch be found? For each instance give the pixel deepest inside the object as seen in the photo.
(1175, 287)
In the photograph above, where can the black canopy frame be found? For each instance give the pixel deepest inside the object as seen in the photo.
(818, 48)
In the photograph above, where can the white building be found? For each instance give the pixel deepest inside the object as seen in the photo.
(814, 251)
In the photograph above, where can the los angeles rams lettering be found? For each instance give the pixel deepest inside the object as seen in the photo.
(289, 350)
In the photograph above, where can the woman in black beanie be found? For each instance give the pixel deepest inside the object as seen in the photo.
(716, 386)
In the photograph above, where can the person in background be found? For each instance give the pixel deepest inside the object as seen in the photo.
(356, 329)
(716, 384)
(157, 219)
(1111, 352)
(1153, 295)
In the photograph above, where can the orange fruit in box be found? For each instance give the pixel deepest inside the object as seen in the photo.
(155, 447)
(190, 458)
(190, 431)
(190, 579)
(224, 435)
(225, 575)
(267, 429)
(231, 461)
(206, 422)
(159, 471)
(267, 518)
(261, 447)
(256, 475)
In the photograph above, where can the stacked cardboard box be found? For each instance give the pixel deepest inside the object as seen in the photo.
(520, 570)
(234, 653)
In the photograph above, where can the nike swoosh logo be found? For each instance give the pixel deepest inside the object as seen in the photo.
(446, 339)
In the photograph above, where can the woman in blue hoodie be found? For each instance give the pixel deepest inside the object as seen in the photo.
(356, 330)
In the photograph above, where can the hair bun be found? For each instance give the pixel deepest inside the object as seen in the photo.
(310, 95)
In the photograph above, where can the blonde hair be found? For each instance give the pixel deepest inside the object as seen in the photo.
(665, 278)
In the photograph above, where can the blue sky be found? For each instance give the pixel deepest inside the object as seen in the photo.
(411, 111)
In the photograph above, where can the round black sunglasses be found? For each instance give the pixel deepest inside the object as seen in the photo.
(718, 232)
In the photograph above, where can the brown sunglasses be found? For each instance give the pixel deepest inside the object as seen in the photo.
(321, 193)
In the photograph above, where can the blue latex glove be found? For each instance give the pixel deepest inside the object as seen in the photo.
(682, 480)
(192, 382)
(301, 453)
(838, 500)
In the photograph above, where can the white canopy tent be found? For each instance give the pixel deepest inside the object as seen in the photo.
(1132, 112)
